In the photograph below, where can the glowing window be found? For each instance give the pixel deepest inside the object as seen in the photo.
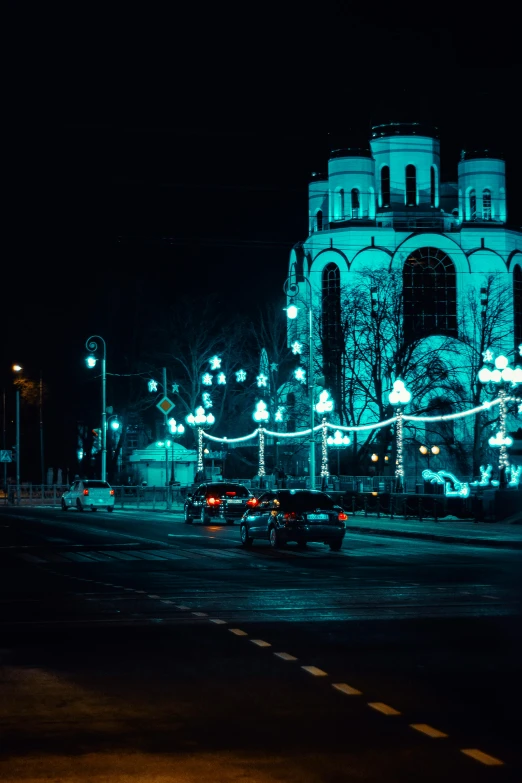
(486, 205)
(385, 186)
(411, 186)
(319, 220)
(355, 203)
(517, 292)
(429, 294)
(331, 327)
(472, 205)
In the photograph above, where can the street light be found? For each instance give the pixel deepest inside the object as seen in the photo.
(399, 397)
(91, 360)
(428, 451)
(17, 368)
(175, 430)
(291, 289)
(198, 419)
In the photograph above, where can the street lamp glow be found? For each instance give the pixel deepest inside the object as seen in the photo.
(17, 368)
(292, 311)
(115, 424)
(91, 361)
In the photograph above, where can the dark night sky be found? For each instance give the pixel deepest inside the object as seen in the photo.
(157, 128)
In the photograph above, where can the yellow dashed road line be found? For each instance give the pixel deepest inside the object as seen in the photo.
(314, 671)
(286, 656)
(344, 688)
(484, 758)
(424, 728)
(260, 643)
(238, 632)
(218, 622)
(384, 708)
(200, 614)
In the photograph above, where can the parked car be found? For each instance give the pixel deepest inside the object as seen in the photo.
(299, 515)
(216, 502)
(88, 494)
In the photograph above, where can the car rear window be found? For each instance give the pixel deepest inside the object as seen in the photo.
(305, 501)
(228, 490)
(97, 484)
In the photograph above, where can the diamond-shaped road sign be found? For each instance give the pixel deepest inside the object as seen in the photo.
(6, 456)
(165, 405)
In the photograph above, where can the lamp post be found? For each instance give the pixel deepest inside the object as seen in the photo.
(501, 375)
(92, 346)
(17, 368)
(338, 440)
(399, 397)
(175, 430)
(291, 289)
(261, 415)
(198, 419)
(324, 406)
(428, 451)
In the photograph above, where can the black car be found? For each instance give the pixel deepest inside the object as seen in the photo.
(299, 515)
(216, 502)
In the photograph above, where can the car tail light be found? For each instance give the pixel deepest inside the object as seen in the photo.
(342, 517)
(290, 516)
(111, 492)
(213, 501)
(252, 502)
(85, 491)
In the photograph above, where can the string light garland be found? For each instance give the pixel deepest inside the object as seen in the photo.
(324, 451)
(261, 469)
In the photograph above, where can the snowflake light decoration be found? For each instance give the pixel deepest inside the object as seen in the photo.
(153, 386)
(261, 380)
(241, 376)
(279, 413)
(296, 348)
(488, 355)
(273, 367)
(300, 375)
(222, 378)
(207, 402)
(207, 379)
(215, 363)
(175, 388)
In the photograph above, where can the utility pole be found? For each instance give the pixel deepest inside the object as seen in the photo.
(41, 431)
(18, 446)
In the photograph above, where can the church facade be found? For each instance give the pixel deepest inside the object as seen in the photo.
(407, 276)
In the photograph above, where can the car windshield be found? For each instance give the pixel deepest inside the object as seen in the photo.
(228, 490)
(305, 501)
(96, 484)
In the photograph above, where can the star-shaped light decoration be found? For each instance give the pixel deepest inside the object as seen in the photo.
(273, 367)
(215, 363)
(241, 376)
(296, 347)
(488, 355)
(279, 413)
(222, 378)
(153, 386)
(300, 375)
(207, 379)
(175, 388)
(261, 380)
(207, 402)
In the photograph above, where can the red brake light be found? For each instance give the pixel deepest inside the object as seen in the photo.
(252, 502)
(342, 517)
(85, 491)
(290, 516)
(111, 492)
(230, 494)
(213, 501)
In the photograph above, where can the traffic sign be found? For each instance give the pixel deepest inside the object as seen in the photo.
(6, 456)
(165, 405)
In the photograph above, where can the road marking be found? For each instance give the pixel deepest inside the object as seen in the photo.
(163, 601)
(429, 730)
(131, 589)
(183, 608)
(494, 597)
(314, 671)
(344, 688)
(384, 708)
(238, 632)
(484, 758)
(138, 591)
(218, 622)
(260, 643)
(200, 614)
(152, 596)
(286, 656)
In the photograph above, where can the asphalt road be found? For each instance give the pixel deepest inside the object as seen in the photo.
(136, 648)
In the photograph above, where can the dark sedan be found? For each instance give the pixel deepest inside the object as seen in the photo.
(299, 515)
(216, 502)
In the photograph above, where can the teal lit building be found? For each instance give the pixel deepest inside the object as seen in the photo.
(413, 277)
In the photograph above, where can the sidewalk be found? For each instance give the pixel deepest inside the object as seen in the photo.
(451, 530)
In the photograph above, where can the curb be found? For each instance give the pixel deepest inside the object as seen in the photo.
(488, 542)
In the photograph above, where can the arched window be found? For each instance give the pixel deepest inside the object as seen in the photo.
(411, 186)
(319, 220)
(355, 204)
(385, 186)
(472, 205)
(486, 205)
(331, 328)
(341, 204)
(433, 187)
(517, 293)
(429, 294)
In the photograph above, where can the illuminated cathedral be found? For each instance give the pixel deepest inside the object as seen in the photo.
(405, 275)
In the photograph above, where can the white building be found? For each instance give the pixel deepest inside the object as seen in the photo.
(383, 213)
(154, 464)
